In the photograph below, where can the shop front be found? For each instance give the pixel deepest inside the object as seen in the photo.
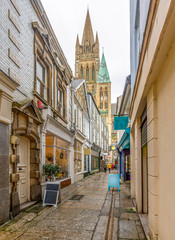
(87, 158)
(58, 152)
(124, 155)
(57, 149)
(95, 158)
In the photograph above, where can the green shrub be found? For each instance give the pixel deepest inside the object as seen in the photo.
(50, 170)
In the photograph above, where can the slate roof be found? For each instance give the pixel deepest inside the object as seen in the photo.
(76, 83)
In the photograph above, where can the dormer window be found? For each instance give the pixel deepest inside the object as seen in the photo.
(41, 86)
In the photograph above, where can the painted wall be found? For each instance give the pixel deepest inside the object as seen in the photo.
(156, 90)
(166, 140)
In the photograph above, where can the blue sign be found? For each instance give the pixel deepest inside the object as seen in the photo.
(120, 123)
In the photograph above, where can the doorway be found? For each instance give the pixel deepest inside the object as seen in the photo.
(23, 168)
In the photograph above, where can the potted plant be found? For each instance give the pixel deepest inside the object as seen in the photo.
(50, 171)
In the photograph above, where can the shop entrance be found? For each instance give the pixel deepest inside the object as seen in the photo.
(23, 168)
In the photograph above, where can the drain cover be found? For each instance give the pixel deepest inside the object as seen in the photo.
(76, 197)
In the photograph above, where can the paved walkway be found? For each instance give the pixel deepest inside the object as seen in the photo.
(84, 219)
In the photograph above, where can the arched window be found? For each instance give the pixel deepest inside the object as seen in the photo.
(93, 73)
(93, 90)
(87, 73)
(81, 71)
(101, 98)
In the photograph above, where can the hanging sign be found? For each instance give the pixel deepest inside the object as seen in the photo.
(120, 123)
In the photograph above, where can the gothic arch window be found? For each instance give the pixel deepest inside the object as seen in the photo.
(87, 73)
(101, 98)
(81, 71)
(93, 90)
(87, 46)
(93, 73)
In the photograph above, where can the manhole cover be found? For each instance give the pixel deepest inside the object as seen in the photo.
(76, 197)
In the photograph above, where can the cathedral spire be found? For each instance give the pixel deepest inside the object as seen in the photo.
(88, 32)
(77, 42)
(103, 76)
(96, 40)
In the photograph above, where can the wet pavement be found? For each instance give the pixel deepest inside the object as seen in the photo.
(86, 218)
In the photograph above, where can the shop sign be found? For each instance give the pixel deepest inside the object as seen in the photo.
(87, 151)
(113, 148)
(120, 123)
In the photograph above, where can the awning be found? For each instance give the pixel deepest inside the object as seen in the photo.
(125, 140)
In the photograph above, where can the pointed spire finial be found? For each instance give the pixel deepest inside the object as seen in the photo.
(88, 32)
(96, 37)
(103, 50)
(77, 42)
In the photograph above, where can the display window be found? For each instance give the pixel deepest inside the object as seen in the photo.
(77, 157)
(57, 152)
(94, 162)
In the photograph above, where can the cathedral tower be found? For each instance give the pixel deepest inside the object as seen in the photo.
(103, 94)
(87, 65)
(87, 57)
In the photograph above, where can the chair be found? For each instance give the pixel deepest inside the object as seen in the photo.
(114, 181)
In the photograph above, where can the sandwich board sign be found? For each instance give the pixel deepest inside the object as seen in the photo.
(52, 194)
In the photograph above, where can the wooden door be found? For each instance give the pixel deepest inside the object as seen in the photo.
(23, 168)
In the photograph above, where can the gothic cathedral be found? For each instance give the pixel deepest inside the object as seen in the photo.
(88, 66)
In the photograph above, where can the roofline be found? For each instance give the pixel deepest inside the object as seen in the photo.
(127, 82)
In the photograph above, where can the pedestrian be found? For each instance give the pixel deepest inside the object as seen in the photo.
(105, 167)
(109, 167)
(112, 166)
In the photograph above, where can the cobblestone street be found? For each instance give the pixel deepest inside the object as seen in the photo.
(86, 218)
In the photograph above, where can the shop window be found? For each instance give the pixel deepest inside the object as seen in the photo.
(41, 85)
(77, 157)
(57, 152)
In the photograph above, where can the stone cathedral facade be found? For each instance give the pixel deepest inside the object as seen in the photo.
(88, 66)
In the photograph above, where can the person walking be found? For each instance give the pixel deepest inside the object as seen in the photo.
(105, 167)
(109, 167)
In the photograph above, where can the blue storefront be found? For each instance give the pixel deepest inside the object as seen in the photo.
(124, 155)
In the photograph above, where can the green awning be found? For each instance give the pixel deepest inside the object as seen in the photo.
(125, 140)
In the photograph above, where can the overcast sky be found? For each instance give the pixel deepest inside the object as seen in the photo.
(110, 18)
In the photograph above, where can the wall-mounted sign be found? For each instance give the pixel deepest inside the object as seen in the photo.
(113, 148)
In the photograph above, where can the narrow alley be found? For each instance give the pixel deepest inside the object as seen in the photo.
(86, 218)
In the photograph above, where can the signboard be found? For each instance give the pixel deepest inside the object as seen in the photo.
(113, 148)
(87, 151)
(52, 193)
(120, 123)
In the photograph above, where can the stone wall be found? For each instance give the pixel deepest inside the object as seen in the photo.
(4, 173)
